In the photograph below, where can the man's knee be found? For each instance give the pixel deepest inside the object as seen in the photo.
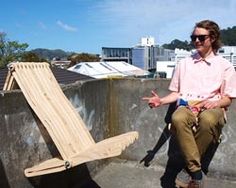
(211, 123)
(208, 119)
(180, 117)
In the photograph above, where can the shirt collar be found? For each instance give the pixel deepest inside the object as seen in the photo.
(197, 58)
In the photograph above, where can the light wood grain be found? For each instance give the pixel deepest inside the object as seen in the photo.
(63, 123)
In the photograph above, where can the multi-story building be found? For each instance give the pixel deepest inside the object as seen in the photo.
(146, 54)
(143, 55)
(117, 54)
(181, 54)
(229, 52)
(165, 68)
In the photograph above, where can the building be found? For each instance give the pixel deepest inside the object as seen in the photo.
(144, 55)
(181, 54)
(117, 54)
(164, 69)
(147, 55)
(229, 52)
(147, 41)
(141, 57)
(63, 64)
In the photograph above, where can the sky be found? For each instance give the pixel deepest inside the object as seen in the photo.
(88, 25)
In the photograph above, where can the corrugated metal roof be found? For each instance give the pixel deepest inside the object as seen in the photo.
(63, 76)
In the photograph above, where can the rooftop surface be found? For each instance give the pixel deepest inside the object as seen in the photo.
(108, 107)
(63, 76)
(132, 174)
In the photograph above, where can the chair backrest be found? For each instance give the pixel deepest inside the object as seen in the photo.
(44, 95)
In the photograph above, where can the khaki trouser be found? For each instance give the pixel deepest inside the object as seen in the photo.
(194, 143)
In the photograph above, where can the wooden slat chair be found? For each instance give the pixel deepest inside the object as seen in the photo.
(61, 120)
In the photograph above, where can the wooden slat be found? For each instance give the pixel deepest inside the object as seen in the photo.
(10, 83)
(48, 102)
(110, 147)
(49, 166)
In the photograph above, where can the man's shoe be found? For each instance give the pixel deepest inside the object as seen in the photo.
(182, 179)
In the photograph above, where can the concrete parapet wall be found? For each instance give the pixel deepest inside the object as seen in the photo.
(108, 108)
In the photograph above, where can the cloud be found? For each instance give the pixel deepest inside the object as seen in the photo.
(42, 25)
(66, 27)
(165, 20)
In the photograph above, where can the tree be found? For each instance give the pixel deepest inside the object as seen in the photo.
(178, 44)
(83, 57)
(31, 57)
(228, 36)
(10, 50)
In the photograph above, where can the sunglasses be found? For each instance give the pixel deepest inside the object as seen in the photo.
(201, 38)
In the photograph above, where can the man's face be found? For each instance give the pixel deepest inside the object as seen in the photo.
(201, 40)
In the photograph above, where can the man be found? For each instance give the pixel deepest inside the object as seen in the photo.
(203, 86)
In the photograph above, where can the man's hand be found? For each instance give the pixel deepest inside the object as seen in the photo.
(222, 103)
(153, 101)
(210, 104)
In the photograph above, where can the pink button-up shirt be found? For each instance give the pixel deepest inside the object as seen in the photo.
(199, 79)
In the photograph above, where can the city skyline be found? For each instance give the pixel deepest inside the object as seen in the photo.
(88, 25)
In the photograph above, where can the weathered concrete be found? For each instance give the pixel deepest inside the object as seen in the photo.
(108, 108)
(130, 174)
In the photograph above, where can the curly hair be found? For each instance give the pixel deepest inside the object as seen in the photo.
(214, 32)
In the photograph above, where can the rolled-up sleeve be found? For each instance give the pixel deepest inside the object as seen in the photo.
(174, 84)
(229, 82)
